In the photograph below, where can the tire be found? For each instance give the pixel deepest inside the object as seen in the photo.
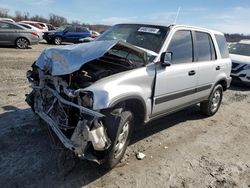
(58, 40)
(22, 43)
(211, 106)
(119, 130)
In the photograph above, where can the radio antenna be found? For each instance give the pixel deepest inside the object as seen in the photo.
(176, 17)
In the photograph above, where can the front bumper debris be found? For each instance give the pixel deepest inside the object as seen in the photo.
(50, 106)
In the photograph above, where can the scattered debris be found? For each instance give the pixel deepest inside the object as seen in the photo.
(12, 95)
(140, 156)
(165, 147)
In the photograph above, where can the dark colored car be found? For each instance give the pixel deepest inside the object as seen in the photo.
(12, 34)
(67, 33)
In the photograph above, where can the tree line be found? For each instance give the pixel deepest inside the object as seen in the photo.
(55, 20)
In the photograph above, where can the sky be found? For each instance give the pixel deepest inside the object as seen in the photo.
(230, 16)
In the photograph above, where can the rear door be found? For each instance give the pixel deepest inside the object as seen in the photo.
(206, 60)
(175, 85)
(81, 32)
(70, 34)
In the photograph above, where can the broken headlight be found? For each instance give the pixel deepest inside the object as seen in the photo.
(85, 99)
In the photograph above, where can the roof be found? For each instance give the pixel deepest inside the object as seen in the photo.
(27, 21)
(7, 19)
(176, 26)
(245, 41)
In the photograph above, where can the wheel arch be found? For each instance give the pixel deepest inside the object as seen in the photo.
(223, 83)
(135, 104)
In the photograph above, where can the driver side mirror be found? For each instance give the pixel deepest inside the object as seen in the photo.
(166, 58)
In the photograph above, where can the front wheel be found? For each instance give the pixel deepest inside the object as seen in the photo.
(211, 106)
(119, 130)
(58, 40)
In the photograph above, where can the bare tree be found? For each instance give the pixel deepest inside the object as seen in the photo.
(18, 16)
(39, 18)
(4, 12)
(57, 20)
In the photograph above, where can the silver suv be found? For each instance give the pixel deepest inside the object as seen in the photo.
(92, 95)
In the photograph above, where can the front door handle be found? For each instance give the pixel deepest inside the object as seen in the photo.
(191, 73)
(217, 68)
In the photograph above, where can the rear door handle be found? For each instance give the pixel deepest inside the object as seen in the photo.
(217, 68)
(191, 73)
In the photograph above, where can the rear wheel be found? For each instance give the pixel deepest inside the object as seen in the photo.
(211, 106)
(119, 130)
(22, 43)
(58, 40)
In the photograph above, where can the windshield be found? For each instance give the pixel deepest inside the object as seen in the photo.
(240, 49)
(145, 36)
(62, 28)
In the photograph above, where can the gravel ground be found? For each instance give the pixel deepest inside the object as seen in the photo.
(184, 149)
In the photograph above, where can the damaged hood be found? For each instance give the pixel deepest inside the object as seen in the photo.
(68, 59)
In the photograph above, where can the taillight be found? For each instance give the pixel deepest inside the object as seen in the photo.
(34, 33)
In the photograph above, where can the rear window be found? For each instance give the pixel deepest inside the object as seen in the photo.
(205, 47)
(221, 41)
(26, 26)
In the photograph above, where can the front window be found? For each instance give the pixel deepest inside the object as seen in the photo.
(149, 37)
(181, 46)
(240, 49)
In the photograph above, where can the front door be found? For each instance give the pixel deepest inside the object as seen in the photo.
(176, 84)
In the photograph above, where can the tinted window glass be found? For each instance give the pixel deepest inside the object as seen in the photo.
(71, 29)
(5, 25)
(240, 48)
(8, 26)
(181, 46)
(26, 26)
(145, 36)
(222, 46)
(205, 47)
(81, 29)
(50, 27)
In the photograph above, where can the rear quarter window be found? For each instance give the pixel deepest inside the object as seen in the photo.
(221, 41)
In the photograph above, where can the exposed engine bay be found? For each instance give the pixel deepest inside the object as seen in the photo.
(62, 102)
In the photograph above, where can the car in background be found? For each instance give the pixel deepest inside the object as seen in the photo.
(67, 33)
(50, 27)
(240, 55)
(7, 20)
(12, 34)
(29, 26)
(35, 24)
(94, 34)
(40, 25)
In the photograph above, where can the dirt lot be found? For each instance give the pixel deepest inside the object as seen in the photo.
(185, 149)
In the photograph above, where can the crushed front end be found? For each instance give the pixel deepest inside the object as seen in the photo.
(68, 113)
(60, 79)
